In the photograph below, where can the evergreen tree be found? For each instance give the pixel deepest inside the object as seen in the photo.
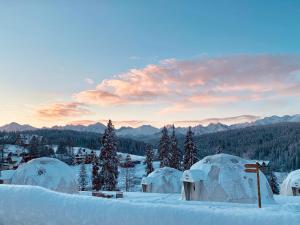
(129, 173)
(96, 181)
(190, 150)
(274, 184)
(82, 179)
(34, 147)
(164, 148)
(108, 159)
(175, 159)
(149, 159)
(62, 149)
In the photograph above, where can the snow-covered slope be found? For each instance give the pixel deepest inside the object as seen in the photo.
(29, 205)
(46, 172)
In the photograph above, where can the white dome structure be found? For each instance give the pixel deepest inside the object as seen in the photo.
(222, 178)
(48, 173)
(163, 180)
(291, 184)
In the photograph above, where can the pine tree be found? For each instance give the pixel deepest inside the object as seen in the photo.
(108, 159)
(34, 147)
(175, 159)
(129, 178)
(96, 182)
(149, 159)
(62, 149)
(82, 179)
(274, 184)
(190, 150)
(164, 148)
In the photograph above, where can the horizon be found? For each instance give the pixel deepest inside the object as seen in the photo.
(148, 62)
(243, 119)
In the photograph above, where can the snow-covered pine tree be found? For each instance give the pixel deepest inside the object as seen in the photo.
(129, 173)
(149, 159)
(108, 159)
(274, 183)
(96, 182)
(175, 159)
(34, 147)
(82, 179)
(164, 148)
(190, 150)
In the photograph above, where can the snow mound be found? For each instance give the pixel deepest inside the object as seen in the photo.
(222, 178)
(29, 205)
(48, 173)
(163, 180)
(291, 181)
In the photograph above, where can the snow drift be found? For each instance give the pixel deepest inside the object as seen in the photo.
(29, 205)
(48, 173)
(163, 180)
(222, 178)
(292, 181)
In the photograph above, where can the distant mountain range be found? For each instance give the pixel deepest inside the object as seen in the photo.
(148, 130)
(15, 127)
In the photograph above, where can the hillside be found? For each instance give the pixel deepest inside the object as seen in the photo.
(279, 143)
(75, 138)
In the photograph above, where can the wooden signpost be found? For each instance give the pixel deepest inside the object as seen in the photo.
(254, 168)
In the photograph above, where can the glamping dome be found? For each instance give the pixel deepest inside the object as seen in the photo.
(291, 184)
(222, 178)
(48, 173)
(163, 180)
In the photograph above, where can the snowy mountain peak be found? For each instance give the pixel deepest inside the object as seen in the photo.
(11, 127)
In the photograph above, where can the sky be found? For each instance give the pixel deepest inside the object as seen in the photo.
(138, 62)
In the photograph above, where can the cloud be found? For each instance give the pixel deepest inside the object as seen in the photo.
(59, 111)
(89, 81)
(200, 82)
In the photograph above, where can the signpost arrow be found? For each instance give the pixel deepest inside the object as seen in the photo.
(251, 170)
(251, 165)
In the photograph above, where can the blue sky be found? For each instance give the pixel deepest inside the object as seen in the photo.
(49, 49)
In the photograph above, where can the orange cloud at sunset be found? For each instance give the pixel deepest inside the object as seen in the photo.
(58, 111)
(205, 81)
(175, 86)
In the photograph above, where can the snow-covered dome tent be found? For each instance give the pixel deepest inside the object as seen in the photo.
(222, 178)
(48, 173)
(291, 184)
(163, 180)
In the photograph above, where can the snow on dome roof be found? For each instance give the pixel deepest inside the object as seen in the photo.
(164, 180)
(224, 179)
(292, 180)
(48, 173)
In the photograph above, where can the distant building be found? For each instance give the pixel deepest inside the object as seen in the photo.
(291, 184)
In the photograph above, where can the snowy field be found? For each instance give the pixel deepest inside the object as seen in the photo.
(28, 205)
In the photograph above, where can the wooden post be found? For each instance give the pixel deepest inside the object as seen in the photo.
(254, 168)
(258, 186)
